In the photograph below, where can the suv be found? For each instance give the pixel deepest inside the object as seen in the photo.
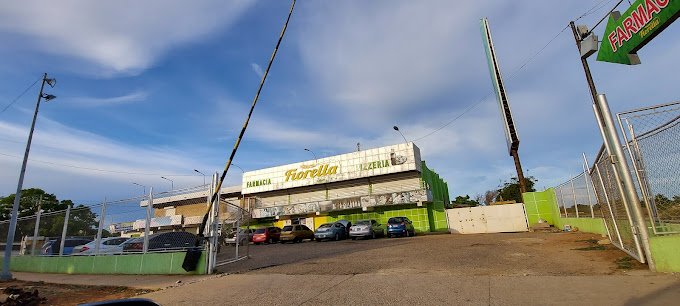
(366, 228)
(266, 234)
(400, 226)
(51, 247)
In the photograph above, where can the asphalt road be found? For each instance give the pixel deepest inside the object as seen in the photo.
(271, 255)
(490, 269)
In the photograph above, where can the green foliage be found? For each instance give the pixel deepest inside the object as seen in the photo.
(465, 200)
(510, 190)
(82, 221)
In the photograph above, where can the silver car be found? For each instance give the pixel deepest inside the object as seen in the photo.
(111, 245)
(366, 228)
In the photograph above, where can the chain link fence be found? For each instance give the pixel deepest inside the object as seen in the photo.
(614, 210)
(653, 136)
(576, 198)
(159, 222)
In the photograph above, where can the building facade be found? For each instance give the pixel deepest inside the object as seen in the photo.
(371, 184)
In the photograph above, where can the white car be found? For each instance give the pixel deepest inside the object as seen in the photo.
(111, 245)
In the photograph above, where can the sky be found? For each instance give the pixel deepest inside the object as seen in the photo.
(160, 88)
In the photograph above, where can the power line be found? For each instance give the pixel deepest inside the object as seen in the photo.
(592, 10)
(96, 169)
(20, 95)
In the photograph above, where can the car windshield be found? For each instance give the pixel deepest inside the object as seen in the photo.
(364, 222)
(288, 228)
(260, 231)
(396, 220)
(326, 225)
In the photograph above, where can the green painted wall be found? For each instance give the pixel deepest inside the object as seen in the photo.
(540, 205)
(419, 215)
(440, 189)
(543, 205)
(151, 263)
(666, 252)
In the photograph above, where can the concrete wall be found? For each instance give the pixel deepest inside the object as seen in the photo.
(151, 263)
(666, 252)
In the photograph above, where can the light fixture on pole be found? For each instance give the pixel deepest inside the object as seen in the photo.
(201, 174)
(6, 274)
(310, 151)
(172, 184)
(140, 185)
(396, 128)
(237, 166)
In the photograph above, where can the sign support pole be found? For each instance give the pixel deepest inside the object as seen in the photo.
(611, 140)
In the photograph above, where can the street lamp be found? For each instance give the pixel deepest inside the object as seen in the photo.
(237, 166)
(140, 185)
(310, 151)
(172, 184)
(201, 174)
(396, 128)
(6, 274)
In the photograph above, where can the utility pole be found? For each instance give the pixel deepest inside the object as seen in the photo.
(6, 274)
(613, 145)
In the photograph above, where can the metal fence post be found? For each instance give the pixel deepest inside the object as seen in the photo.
(573, 193)
(37, 226)
(63, 232)
(629, 193)
(99, 229)
(149, 203)
(586, 176)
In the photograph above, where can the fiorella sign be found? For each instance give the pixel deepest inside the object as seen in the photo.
(362, 164)
(627, 33)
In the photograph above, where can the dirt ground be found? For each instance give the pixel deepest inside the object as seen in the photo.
(61, 294)
(508, 254)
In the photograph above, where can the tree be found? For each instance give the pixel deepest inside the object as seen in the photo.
(82, 221)
(465, 200)
(510, 190)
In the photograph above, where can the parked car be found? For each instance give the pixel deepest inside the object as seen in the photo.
(366, 228)
(346, 224)
(296, 233)
(244, 236)
(335, 231)
(400, 226)
(51, 246)
(162, 242)
(111, 245)
(266, 234)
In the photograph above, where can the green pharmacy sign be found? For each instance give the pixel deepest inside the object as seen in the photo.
(626, 34)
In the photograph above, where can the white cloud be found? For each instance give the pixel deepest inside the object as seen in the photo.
(136, 96)
(117, 37)
(63, 158)
(257, 69)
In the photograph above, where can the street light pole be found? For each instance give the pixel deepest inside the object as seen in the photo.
(396, 128)
(201, 174)
(172, 184)
(140, 185)
(610, 137)
(310, 151)
(6, 274)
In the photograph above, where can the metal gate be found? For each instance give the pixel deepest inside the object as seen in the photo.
(616, 214)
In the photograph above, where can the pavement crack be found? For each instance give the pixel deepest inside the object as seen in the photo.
(327, 289)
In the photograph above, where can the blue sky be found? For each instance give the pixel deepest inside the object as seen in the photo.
(159, 88)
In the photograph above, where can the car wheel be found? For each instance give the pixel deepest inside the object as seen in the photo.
(373, 236)
(354, 238)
